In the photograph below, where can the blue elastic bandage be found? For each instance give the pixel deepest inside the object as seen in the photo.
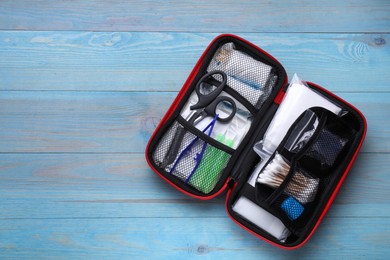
(292, 208)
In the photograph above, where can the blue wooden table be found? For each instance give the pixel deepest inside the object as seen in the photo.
(84, 83)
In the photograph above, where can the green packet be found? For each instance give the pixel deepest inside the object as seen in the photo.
(210, 168)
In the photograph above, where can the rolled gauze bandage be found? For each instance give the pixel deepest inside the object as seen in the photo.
(261, 218)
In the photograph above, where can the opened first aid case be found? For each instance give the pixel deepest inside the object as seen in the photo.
(282, 157)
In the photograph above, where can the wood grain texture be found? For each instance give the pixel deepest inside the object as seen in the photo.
(123, 186)
(198, 16)
(178, 238)
(67, 121)
(83, 85)
(120, 61)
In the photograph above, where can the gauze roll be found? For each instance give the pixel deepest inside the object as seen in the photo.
(249, 77)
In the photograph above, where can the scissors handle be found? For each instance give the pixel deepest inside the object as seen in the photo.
(212, 108)
(205, 99)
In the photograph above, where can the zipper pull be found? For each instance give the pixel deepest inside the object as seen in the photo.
(231, 183)
(279, 97)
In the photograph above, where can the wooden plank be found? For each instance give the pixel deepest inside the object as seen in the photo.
(77, 108)
(199, 16)
(123, 186)
(177, 238)
(121, 61)
(122, 121)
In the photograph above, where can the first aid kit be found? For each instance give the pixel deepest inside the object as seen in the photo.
(280, 149)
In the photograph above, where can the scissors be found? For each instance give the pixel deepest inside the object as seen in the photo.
(209, 103)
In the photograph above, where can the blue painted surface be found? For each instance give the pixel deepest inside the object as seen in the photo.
(84, 84)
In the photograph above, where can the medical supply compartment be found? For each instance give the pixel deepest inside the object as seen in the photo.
(281, 150)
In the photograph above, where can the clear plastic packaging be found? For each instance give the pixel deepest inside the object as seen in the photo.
(298, 98)
(302, 132)
(234, 130)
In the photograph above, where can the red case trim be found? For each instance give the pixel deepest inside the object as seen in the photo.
(169, 113)
(278, 99)
(178, 99)
(335, 191)
(244, 227)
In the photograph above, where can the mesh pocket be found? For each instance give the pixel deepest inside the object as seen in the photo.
(195, 163)
(209, 170)
(160, 154)
(293, 194)
(326, 148)
(320, 158)
(295, 206)
(252, 79)
(302, 187)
